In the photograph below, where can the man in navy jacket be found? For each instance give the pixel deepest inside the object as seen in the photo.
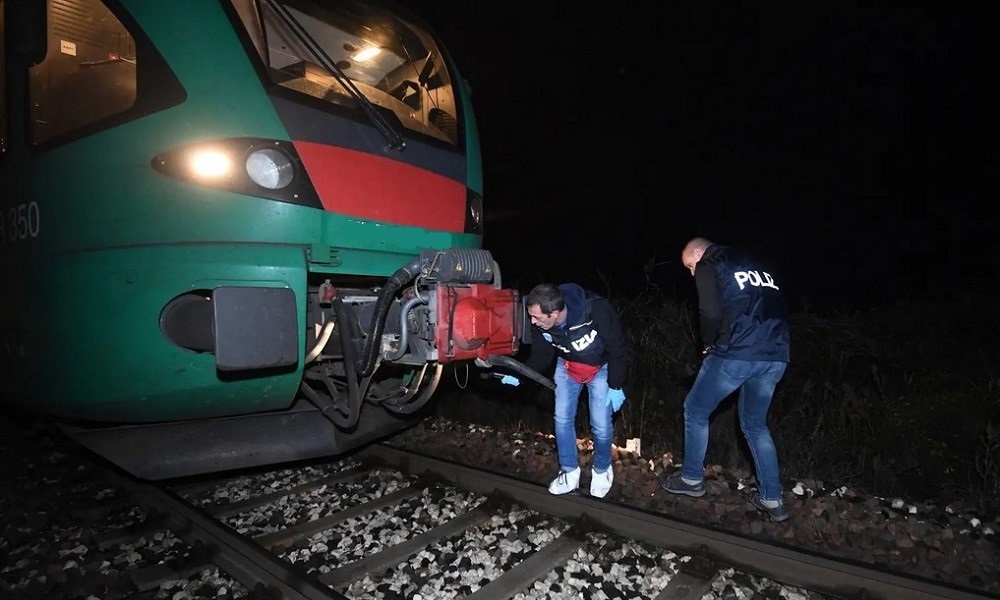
(744, 329)
(582, 331)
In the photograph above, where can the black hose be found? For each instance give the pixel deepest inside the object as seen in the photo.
(347, 344)
(426, 391)
(404, 328)
(506, 361)
(365, 365)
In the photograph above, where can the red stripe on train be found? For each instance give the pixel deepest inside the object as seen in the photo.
(363, 185)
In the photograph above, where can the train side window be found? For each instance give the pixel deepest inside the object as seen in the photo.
(310, 47)
(89, 70)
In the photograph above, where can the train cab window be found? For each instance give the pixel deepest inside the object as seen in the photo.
(88, 73)
(334, 51)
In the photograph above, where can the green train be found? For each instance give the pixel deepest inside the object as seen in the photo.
(237, 232)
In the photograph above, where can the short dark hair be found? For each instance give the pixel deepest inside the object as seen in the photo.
(547, 296)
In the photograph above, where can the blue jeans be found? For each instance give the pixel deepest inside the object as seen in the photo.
(718, 378)
(567, 397)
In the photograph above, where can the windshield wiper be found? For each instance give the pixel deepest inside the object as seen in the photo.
(390, 133)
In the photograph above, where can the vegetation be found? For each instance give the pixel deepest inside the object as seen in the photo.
(901, 401)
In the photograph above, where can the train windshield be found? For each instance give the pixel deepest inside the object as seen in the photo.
(335, 51)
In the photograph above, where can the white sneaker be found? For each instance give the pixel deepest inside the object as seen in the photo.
(566, 482)
(600, 483)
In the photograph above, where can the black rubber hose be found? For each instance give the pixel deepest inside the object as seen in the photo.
(347, 344)
(404, 328)
(506, 361)
(405, 274)
(426, 391)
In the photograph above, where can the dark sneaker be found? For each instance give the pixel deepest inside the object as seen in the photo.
(777, 514)
(675, 485)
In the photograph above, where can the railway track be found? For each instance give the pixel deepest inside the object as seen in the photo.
(386, 523)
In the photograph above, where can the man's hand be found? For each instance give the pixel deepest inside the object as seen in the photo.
(615, 399)
(510, 380)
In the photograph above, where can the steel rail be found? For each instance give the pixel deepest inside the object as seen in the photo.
(809, 570)
(240, 557)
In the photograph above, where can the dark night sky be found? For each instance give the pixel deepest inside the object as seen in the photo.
(855, 148)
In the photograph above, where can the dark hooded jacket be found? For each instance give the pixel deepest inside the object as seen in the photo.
(741, 308)
(591, 334)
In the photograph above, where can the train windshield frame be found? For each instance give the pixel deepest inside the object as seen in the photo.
(335, 51)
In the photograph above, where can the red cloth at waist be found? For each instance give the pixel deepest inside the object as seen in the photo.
(582, 372)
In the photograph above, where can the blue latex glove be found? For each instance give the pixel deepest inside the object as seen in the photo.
(510, 380)
(615, 399)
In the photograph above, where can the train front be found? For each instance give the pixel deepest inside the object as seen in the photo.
(268, 243)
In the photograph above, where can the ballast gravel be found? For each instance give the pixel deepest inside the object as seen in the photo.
(55, 519)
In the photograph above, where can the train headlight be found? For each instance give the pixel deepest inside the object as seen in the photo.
(210, 164)
(270, 168)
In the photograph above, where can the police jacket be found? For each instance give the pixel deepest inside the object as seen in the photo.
(741, 308)
(591, 334)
